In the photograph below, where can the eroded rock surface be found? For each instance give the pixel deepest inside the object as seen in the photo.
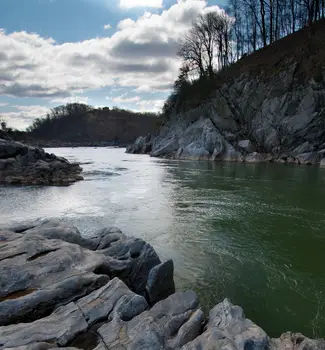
(60, 290)
(24, 165)
(250, 118)
(46, 264)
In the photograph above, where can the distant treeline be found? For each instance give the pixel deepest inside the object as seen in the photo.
(81, 123)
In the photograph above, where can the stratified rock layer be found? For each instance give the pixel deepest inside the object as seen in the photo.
(60, 290)
(24, 165)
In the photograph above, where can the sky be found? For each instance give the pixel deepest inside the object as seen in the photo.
(100, 52)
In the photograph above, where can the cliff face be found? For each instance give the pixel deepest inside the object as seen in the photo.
(271, 106)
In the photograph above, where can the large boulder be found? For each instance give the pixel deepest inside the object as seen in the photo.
(24, 165)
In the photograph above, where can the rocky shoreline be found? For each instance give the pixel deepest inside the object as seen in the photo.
(109, 291)
(25, 165)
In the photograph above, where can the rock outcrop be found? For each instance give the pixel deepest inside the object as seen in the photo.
(109, 291)
(24, 165)
(269, 106)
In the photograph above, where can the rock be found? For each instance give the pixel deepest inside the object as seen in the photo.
(131, 259)
(60, 327)
(322, 163)
(229, 329)
(296, 341)
(24, 165)
(38, 274)
(255, 158)
(303, 148)
(308, 158)
(142, 145)
(56, 229)
(247, 145)
(67, 322)
(46, 264)
(277, 114)
(160, 283)
(167, 325)
(113, 299)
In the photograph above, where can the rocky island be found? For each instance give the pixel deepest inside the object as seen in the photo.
(108, 291)
(25, 165)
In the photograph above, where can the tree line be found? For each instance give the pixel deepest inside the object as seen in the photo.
(258, 23)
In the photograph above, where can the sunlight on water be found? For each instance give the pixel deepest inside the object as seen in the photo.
(253, 233)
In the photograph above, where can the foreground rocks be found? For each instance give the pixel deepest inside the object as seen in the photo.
(24, 165)
(109, 291)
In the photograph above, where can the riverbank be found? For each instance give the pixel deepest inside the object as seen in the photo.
(109, 291)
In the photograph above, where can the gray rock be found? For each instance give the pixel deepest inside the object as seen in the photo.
(167, 325)
(24, 165)
(130, 259)
(160, 283)
(308, 158)
(67, 322)
(113, 299)
(60, 328)
(46, 264)
(322, 163)
(255, 158)
(296, 341)
(142, 145)
(277, 115)
(229, 329)
(247, 145)
(38, 274)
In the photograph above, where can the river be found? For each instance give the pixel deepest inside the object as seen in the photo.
(254, 233)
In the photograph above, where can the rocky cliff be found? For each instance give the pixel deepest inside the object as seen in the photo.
(269, 106)
(24, 165)
(109, 291)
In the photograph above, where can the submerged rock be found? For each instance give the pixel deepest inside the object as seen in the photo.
(24, 165)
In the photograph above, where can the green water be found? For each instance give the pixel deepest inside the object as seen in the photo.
(252, 233)
(257, 236)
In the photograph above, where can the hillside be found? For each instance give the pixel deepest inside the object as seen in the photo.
(269, 106)
(85, 125)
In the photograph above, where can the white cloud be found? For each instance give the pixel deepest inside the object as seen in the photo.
(137, 103)
(71, 99)
(141, 3)
(24, 115)
(107, 26)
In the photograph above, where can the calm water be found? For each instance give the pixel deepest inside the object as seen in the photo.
(253, 233)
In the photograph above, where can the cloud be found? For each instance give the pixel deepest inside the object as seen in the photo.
(137, 103)
(107, 26)
(141, 3)
(23, 116)
(140, 55)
